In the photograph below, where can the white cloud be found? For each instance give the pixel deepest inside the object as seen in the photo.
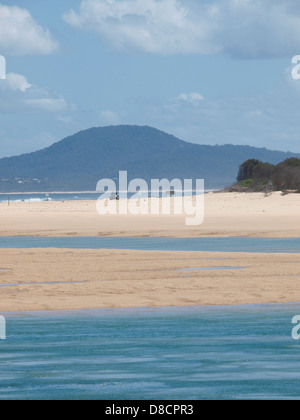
(18, 95)
(193, 98)
(241, 28)
(21, 35)
(154, 26)
(17, 82)
(58, 104)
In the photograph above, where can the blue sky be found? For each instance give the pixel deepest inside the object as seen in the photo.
(207, 71)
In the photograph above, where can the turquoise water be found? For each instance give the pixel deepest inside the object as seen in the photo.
(180, 353)
(240, 244)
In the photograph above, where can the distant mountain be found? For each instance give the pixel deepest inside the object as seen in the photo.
(79, 161)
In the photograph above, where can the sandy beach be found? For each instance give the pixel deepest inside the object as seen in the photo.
(64, 279)
(226, 214)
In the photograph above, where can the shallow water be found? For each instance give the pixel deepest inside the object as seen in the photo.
(178, 353)
(233, 244)
(38, 197)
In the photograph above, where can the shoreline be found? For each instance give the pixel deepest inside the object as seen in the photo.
(266, 235)
(49, 192)
(149, 309)
(213, 190)
(225, 215)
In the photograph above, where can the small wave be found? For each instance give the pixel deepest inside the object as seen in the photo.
(27, 200)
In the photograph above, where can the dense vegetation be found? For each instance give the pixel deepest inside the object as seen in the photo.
(79, 161)
(255, 175)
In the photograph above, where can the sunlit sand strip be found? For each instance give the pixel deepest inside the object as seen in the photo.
(226, 214)
(91, 279)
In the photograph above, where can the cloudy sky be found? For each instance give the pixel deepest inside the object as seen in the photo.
(207, 71)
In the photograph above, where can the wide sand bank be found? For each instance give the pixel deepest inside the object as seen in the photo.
(62, 279)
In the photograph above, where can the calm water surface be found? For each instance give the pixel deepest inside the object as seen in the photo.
(240, 244)
(179, 353)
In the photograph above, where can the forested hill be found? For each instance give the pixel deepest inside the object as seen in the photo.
(79, 161)
(257, 176)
